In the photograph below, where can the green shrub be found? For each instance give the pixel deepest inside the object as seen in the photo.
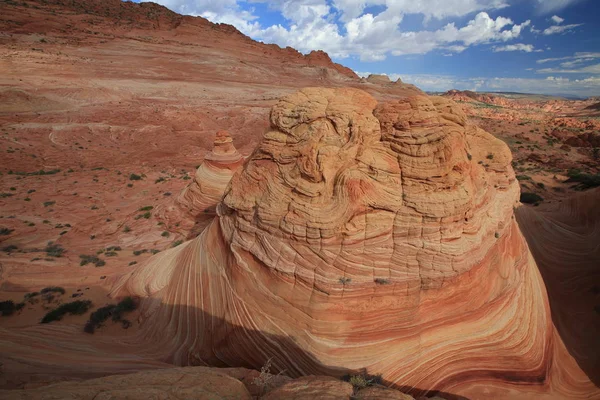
(53, 289)
(147, 208)
(531, 198)
(77, 307)
(382, 281)
(176, 243)
(6, 231)
(54, 250)
(8, 307)
(165, 234)
(523, 177)
(113, 311)
(49, 203)
(135, 177)
(584, 181)
(361, 381)
(85, 259)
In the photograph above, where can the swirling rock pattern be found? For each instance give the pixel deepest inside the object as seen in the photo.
(361, 236)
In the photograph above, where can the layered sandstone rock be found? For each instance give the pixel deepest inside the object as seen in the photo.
(360, 237)
(212, 176)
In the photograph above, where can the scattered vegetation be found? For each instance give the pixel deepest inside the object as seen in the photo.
(49, 203)
(113, 311)
(264, 380)
(54, 250)
(584, 181)
(135, 177)
(345, 280)
(382, 281)
(6, 231)
(490, 156)
(52, 289)
(77, 307)
(9, 307)
(126, 229)
(523, 177)
(361, 381)
(147, 208)
(85, 260)
(145, 215)
(10, 248)
(40, 172)
(165, 234)
(176, 243)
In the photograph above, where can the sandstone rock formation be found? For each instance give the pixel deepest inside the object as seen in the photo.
(360, 236)
(212, 177)
(203, 383)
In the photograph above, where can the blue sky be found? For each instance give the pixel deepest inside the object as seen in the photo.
(536, 46)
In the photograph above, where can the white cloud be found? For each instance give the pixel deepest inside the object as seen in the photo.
(557, 20)
(527, 48)
(438, 9)
(548, 6)
(576, 56)
(341, 28)
(590, 69)
(559, 29)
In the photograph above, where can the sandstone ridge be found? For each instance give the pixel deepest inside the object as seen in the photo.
(360, 236)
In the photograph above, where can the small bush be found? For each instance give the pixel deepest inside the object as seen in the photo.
(113, 311)
(165, 234)
(135, 177)
(147, 208)
(344, 280)
(10, 248)
(523, 177)
(531, 198)
(77, 307)
(53, 289)
(490, 156)
(49, 203)
(584, 181)
(54, 250)
(8, 307)
(126, 229)
(361, 381)
(382, 281)
(176, 243)
(6, 231)
(85, 260)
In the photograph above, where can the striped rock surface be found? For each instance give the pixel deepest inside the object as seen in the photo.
(365, 237)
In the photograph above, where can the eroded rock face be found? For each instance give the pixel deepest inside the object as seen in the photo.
(212, 176)
(359, 236)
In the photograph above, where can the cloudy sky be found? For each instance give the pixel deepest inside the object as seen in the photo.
(536, 46)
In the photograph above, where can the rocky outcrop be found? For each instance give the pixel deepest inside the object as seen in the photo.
(203, 383)
(360, 236)
(212, 177)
